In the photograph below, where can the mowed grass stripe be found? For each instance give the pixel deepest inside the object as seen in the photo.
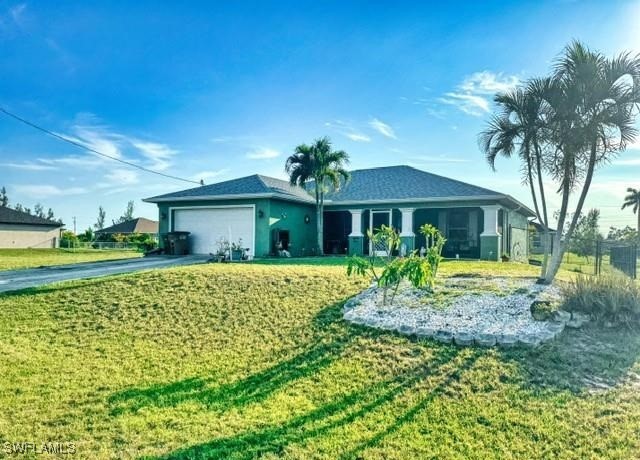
(245, 361)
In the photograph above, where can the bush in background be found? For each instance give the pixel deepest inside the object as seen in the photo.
(613, 298)
(68, 239)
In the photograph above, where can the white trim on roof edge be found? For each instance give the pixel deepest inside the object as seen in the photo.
(229, 197)
(341, 203)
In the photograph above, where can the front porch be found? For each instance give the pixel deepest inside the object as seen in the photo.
(472, 232)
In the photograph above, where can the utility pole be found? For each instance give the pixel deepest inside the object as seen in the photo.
(74, 225)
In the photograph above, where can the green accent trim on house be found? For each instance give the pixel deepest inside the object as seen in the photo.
(409, 242)
(302, 236)
(490, 247)
(287, 215)
(356, 245)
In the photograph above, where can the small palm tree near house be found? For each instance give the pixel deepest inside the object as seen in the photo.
(574, 121)
(632, 200)
(319, 164)
(519, 128)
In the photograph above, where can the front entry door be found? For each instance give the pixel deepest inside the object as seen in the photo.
(378, 218)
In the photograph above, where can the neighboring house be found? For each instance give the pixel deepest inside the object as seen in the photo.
(268, 214)
(138, 225)
(21, 230)
(536, 240)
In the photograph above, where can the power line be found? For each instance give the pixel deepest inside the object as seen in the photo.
(84, 147)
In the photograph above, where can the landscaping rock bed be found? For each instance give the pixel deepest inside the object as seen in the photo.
(482, 312)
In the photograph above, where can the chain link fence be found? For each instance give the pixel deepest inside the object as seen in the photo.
(595, 257)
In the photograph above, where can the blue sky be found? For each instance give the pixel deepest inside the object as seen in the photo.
(217, 91)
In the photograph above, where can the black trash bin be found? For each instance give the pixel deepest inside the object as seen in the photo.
(176, 243)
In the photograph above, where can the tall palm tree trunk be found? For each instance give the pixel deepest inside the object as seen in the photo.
(557, 250)
(546, 235)
(556, 260)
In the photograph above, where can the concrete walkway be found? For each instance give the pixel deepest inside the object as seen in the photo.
(33, 277)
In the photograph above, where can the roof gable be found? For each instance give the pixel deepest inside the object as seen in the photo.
(256, 185)
(11, 216)
(138, 225)
(403, 183)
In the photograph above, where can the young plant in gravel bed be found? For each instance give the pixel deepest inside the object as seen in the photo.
(435, 242)
(419, 271)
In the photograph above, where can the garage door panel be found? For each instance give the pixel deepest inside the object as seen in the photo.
(209, 225)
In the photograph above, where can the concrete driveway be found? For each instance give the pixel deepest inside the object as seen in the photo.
(32, 277)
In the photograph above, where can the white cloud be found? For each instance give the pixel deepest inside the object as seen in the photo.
(347, 130)
(48, 191)
(75, 161)
(89, 132)
(100, 139)
(159, 154)
(468, 103)
(263, 153)
(635, 145)
(122, 177)
(16, 12)
(29, 166)
(473, 95)
(382, 128)
(489, 83)
(12, 19)
(358, 137)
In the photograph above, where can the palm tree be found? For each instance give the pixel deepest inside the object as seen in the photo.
(519, 128)
(319, 164)
(632, 200)
(590, 107)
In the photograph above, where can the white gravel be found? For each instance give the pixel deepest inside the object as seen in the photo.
(481, 317)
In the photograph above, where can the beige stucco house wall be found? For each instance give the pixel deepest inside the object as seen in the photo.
(28, 236)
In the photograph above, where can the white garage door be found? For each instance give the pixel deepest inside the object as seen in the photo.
(208, 225)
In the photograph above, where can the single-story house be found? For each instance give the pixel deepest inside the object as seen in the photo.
(536, 238)
(137, 225)
(269, 214)
(21, 230)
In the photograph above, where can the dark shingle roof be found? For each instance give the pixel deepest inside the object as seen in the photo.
(139, 225)
(11, 216)
(390, 184)
(403, 183)
(250, 185)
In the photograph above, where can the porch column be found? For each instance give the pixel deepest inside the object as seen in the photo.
(406, 235)
(490, 238)
(356, 238)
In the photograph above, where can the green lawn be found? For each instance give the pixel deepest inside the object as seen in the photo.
(247, 360)
(449, 267)
(11, 259)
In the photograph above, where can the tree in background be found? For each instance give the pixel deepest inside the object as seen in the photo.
(4, 199)
(51, 215)
(320, 164)
(99, 225)
(587, 112)
(586, 235)
(68, 239)
(128, 214)
(632, 200)
(38, 211)
(627, 233)
(87, 236)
